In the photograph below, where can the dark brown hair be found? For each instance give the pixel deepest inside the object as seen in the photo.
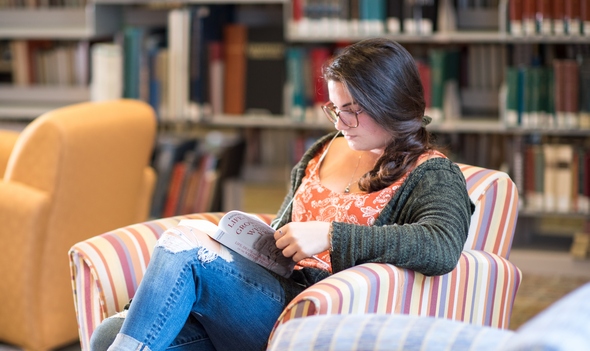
(382, 78)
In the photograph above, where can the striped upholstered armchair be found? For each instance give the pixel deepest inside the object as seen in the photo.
(107, 269)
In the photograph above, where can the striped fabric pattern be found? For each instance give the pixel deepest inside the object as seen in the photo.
(106, 269)
(496, 210)
(480, 290)
(386, 332)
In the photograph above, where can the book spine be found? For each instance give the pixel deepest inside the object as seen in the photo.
(572, 22)
(558, 16)
(394, 16)
(515, 15)
(543, 17)
(528, 17)
(235, 39)
(585, 17)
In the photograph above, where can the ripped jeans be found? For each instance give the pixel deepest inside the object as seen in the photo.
(232, 302)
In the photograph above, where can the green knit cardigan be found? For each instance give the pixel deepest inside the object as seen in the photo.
(422, 228)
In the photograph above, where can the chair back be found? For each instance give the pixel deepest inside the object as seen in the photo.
(496, 210)
(90, 163)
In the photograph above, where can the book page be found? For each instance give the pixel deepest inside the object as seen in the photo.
(248, 236)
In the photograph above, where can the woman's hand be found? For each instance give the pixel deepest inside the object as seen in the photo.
(300, 240)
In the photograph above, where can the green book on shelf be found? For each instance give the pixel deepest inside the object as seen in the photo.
(512, 118)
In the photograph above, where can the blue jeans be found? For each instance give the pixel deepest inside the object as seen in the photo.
(192, 299)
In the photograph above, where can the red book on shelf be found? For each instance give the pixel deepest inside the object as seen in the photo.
(216, 74)
(235, 37)
(543, 16)
(585, 16)
(318, 56)
(515, 14)
(557, 14)
(528, 17)
(424, 71)
(572, 16)
(174, 189)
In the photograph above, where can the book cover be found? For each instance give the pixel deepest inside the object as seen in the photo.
(265, 70)
(248, 236)
(132, 53)
(515, 9)
(528, 17)
(107, 72)
(169, 151)
(296, 83)
(512, 116)
(543, 17)
(394, 16)
(571, 91)
(558, 17)
(584, 99)
(563, 162)
(178, 64)
(234, 50)
(419, 16)
(372, 16)
(318, 57)
(216, 73)
(571, 16)
(585, 17)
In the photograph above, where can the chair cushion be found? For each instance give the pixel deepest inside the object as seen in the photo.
(386, 332)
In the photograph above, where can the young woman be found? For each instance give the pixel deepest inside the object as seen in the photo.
(373, 191)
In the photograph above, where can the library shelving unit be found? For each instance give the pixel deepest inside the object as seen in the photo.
(106, 18)
(75, 24)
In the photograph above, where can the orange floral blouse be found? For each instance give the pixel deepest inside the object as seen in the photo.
(314, 202)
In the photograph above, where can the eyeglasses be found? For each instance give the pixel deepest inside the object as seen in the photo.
(347, 117)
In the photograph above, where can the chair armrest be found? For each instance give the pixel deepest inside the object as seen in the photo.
(107, 269)
(480, 290)
(147, 192)
(24, 216)
(7, 141)
(363, 332)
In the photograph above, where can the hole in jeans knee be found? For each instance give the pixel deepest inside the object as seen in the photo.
(174, 240)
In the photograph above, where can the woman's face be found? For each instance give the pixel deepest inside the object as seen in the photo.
(368, 136)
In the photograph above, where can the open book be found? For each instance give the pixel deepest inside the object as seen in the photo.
(249, 236)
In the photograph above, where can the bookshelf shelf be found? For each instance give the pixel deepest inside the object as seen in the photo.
(456, 37)
(59, 23)
(250, 121)
(204, 2)
(27, 103)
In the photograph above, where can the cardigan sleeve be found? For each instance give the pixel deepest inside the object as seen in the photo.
(424, 230)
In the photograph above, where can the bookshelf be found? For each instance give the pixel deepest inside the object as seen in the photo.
(76, 26)
(105, 20)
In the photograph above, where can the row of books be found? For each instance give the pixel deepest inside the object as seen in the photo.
(33, 4)
(456, 82)
(556, 96)
(556, 178)
(549, 17)
(46, 62)
(202, 64)
(364, 17)
(191, 171)
(218, 170)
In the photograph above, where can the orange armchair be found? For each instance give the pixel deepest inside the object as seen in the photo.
(71, 174)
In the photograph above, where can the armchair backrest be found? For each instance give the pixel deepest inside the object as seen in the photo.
(496, 210)
(87, 167)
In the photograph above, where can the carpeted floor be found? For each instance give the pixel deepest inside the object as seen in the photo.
(537, 292)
